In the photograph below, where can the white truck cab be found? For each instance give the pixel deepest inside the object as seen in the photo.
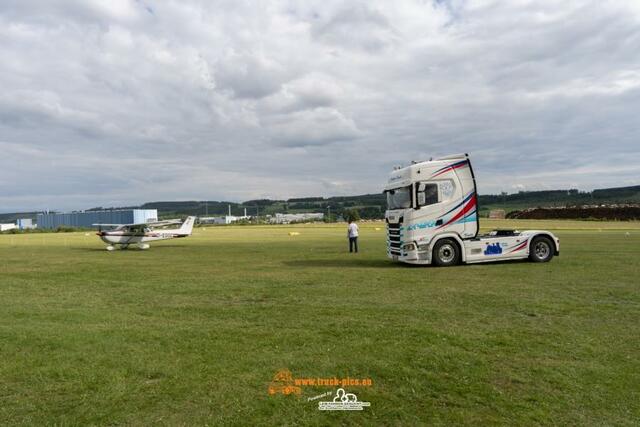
(432, 218)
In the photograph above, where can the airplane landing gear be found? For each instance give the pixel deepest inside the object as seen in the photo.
(111, 248)
(143, 246)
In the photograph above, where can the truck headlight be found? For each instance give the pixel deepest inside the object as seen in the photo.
(409, 247)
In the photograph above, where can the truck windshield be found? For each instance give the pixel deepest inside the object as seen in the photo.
(399, 198)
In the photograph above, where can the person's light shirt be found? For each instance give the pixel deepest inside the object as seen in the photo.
(353, 230)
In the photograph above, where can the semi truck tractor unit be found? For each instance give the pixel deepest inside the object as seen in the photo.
(432, 218)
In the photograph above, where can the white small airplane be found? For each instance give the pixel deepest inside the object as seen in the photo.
(129, 234)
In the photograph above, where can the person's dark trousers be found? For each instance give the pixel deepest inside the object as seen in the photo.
(353, 244)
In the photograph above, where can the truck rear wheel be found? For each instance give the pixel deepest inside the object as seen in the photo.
(541, 249)
(446, 253)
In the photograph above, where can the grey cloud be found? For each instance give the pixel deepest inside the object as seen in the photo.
(249, 75)
(310, 91)
(319, 126)
(111, 103)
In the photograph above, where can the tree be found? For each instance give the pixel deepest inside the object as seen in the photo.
(351, 214)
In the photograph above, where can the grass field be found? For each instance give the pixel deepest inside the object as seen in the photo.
(193, 330)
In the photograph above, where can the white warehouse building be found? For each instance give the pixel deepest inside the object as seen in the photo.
(25, 223)
(222, 220)
(280, 218)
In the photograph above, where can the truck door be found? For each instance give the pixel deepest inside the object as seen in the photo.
(436, 199)
(428, 205)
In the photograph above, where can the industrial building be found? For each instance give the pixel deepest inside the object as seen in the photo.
(220, 220)
(280, 218)
(224, 220)
(7, 227)
(88, 218)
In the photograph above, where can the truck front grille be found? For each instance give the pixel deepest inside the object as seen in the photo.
(394, 238)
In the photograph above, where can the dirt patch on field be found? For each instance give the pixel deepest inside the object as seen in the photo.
(616, 212)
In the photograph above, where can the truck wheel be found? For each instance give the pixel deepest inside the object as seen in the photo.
(541, 249)
(446, 253)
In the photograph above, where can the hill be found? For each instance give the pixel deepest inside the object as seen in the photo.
(558, 198)
(369, 206)
(372, 206)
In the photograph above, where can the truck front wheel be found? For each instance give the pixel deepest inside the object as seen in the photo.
(446, 252)
(541, 249)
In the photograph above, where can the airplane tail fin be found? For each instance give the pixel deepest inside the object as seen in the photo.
(187, 226)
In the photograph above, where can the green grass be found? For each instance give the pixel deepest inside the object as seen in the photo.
(192, 330)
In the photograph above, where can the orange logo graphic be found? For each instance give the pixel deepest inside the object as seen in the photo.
(283, 383)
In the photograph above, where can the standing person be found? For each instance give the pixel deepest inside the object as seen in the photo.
(352, 233)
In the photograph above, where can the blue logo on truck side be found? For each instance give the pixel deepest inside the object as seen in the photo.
(493, 249)
(421, 225)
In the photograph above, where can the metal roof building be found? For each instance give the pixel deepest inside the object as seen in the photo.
(227, 219)
(280, 218)
(88, 218)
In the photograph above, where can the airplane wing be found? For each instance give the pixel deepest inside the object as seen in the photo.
(162, 223)
(148, 224)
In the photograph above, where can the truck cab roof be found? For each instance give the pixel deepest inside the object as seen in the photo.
(422, 170)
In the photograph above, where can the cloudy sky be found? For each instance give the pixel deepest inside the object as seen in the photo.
(110, 103)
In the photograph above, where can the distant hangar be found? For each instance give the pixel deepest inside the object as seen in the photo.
(86, 219)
